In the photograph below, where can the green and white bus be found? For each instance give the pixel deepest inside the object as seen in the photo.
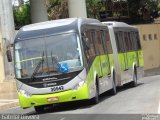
(73, 59)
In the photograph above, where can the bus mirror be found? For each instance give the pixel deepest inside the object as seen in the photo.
(9, 55)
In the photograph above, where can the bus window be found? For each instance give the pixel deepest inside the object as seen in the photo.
(117, 42)
(127, 41)
(100, 45)
(133, 38)
(109, 45)
(90, 53)
(138, 41)
(130, 42)
(103, 37)
(94, 41)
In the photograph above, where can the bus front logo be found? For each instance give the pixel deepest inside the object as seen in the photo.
(57, 88)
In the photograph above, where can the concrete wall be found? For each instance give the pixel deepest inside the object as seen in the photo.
(2, 73)
(150, 40)
(7, 31)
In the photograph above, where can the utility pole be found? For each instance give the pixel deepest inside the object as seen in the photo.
(77, 8)
(38, 11)
(7, 34)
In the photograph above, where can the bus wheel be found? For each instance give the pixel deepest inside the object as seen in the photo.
(39, 109)
(114, 90)
(96, 98)
(134, 82)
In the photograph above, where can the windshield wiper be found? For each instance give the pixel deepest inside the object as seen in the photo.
(37, 67)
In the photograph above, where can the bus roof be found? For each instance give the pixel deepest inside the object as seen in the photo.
(117, 24)
(57, 23)
(53, 27)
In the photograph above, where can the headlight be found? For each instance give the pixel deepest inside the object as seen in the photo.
(77, 86)
(25, 93)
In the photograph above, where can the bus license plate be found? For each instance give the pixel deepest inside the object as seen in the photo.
(52, 99)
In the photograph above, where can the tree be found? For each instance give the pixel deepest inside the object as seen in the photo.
(22, 15)
(139, 10)
(143, 10)
(57, 9)
(94, 7)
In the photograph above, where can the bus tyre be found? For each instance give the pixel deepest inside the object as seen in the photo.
(39, 109)
(134, 82)
(96, 98)
(114, 90)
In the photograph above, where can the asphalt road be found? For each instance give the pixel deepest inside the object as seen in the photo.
(128, 104)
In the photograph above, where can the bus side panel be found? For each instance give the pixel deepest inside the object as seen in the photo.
(140, 70)
(140, 55)
(105, 83)
(111, 60)
(105, 65)
(131, 57)
(95, 68)
(121, 61)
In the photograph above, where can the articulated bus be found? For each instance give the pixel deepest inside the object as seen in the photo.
(73, 59)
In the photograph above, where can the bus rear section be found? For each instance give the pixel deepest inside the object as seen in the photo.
(127, 52)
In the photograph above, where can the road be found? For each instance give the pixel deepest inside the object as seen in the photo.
(145, 98)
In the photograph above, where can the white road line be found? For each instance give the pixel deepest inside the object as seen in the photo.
(159, 108)
(14, 107)
(62, 118)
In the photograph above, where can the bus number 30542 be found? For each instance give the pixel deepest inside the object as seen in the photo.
(57, 88)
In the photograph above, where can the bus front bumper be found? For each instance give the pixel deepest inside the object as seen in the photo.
(45, 99)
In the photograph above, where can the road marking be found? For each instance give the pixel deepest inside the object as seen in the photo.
(159, 108)
(62, 118)
(14, 107)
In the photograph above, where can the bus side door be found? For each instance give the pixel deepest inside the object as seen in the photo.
(135, 47)
(139, 49)
(106, 59)
(130, 55)
(97, 62)
(126, 49)
(122, 59)
(101, 54)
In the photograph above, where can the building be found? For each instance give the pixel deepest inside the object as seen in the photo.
(150, 40)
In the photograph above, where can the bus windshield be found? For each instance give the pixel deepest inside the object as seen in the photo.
(54, 50)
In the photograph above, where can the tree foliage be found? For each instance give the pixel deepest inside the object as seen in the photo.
(143, 11)
(139, 10)
(22, 15)
(57, 9)
(94, 7)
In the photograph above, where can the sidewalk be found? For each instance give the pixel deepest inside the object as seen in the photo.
(5, 104)
(152, 72)
(8, 95)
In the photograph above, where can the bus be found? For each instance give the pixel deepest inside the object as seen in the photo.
(69, 60)
(127, 52)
